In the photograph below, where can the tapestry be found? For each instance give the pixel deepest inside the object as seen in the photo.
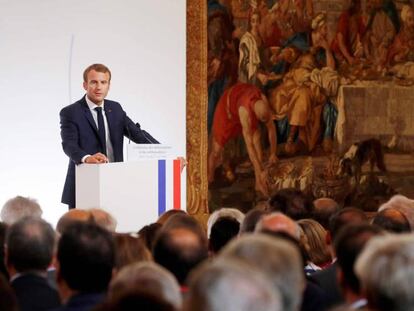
(307, 94)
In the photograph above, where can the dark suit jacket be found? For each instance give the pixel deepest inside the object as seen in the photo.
(80, 137)
(34, 293)
(326, 279)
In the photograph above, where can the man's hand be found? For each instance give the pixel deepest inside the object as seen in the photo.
(97, 158)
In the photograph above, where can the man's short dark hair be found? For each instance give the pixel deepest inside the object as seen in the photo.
(86, 257)
(223, 230)
(349, 243)
(392, 220)
(346, 216)
(291, 202)
(251, 219)
(98, 68)
(178, 255)
(30, 244)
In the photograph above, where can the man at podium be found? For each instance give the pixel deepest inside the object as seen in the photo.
(93, 128)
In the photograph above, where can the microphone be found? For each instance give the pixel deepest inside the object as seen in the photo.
(147, 136)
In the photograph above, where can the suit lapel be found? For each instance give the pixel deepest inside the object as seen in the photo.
(88, 115)
(109, 115)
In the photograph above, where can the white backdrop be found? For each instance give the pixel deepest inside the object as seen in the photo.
(45, 46)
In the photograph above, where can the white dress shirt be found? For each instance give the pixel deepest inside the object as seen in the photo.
(109, 148)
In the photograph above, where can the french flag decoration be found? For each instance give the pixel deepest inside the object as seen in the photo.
(169, 185)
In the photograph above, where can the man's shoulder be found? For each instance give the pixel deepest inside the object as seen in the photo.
(112, 104)
(78, 105)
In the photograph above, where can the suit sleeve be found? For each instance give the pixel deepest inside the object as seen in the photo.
(70, 138)
(136, 134)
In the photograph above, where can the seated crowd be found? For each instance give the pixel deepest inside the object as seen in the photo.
(290, 254)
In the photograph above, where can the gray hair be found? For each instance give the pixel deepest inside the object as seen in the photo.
(287, 225)
(18, 208)
(386, 271)
(150, 276)
(231, 285)
(223, 212)
(402, 204)
(279, 259)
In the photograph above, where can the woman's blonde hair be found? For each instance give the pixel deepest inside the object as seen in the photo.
(315, 234)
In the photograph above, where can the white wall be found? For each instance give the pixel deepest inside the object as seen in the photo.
(45, 46)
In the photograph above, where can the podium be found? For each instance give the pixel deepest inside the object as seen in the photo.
(135, 192)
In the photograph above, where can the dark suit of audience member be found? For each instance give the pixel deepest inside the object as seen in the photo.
(34, 292)
(86, 258)
(326, 278)
(30, 244)
(349, 243)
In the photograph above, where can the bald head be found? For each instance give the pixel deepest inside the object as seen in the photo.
(278, 222)
(72, 216)
(323, 209)
(392, 220)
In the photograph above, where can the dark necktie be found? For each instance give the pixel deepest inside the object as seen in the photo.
(101, 129)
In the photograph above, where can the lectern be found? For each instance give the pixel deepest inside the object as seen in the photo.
(135, 192)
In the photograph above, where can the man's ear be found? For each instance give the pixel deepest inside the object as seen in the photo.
(85, 85)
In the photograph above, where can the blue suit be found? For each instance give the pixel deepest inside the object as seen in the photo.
(80, 137)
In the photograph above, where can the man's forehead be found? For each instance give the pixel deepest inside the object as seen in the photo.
(96, 75)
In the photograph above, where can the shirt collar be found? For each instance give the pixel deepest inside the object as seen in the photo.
(359, 303)
(92, 105)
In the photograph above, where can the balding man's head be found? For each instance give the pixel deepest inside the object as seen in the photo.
(278, 222)
(323, 209)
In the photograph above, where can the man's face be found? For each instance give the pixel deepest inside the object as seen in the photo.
(97, 86)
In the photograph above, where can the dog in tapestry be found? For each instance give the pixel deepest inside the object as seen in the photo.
(367, 151)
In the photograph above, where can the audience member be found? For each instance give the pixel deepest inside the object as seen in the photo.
(251, 219)
(385, 269)
(313, 298)
(85, 263)
(323, 209)
(326, 278)
(30, 246)
(151, 276)
(317, 253)
(402, 204)
(180, 246)
(278, 222)
(231, 285)
(129, 249)
(349, 243)
(223, 212)
(8, 301)
(3, 231)
(148, 233)
(291, 202)
(72, 216)
(223, 230)
(392, 220)
(18, 208)
(134, 300)
(104, 219)
(276, 258)
(97, 216)
(166, 215)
